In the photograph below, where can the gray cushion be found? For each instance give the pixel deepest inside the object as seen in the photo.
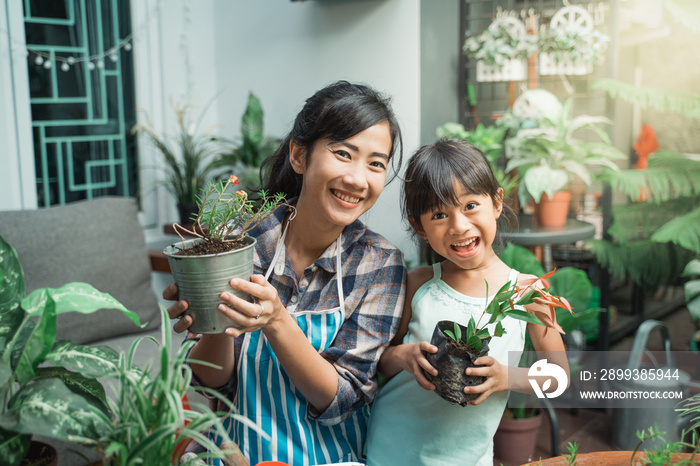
(99, 242)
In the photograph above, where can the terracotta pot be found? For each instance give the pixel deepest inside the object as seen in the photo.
(451, 362)
(515, 439)
(40, 454)
(604, 458)
(553, 212)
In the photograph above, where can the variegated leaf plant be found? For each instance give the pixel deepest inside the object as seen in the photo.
(46, 387)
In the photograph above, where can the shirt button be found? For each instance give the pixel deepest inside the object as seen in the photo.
(314, 268)
(294, 299)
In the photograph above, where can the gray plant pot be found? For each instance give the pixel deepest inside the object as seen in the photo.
(201, 279)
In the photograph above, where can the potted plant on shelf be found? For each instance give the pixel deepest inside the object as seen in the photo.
(203, 266)
(187, 158)
(62, 397)
(460, 345)
(547, 157)
(501, 50)
(246, 154)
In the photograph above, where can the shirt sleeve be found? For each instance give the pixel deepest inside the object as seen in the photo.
(365, 334)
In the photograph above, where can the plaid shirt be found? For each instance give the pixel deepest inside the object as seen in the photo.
(374, 284)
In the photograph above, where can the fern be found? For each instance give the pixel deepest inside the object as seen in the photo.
(683, 231)
(686, 12)
(668, 176)
(640, 220)
(663, 100)
(648, 263)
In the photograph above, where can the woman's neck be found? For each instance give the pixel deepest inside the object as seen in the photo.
(307, 239)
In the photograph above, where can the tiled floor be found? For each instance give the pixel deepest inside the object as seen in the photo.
(591, 429)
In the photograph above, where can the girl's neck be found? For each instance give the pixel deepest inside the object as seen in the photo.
(471, 282)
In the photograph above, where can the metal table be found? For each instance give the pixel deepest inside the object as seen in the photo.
(531, 233)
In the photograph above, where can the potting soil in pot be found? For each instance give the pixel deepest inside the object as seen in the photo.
(451, 361)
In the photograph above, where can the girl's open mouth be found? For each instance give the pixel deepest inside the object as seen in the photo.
(467, 246)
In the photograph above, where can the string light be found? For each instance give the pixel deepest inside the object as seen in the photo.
(93, 61)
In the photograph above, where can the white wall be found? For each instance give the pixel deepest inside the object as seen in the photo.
(284, 51)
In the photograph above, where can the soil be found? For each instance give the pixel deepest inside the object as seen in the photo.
(212, 246)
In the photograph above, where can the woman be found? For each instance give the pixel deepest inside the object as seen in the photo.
(328, 291)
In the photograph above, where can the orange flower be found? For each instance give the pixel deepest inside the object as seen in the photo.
(242, 193)
(233, 179)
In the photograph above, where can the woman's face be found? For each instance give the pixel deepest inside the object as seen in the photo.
(343, 179)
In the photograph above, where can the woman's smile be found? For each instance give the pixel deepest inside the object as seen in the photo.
(348, 199)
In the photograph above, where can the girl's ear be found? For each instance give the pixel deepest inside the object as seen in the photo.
(415, 224)
(297, 157)
(498, 203)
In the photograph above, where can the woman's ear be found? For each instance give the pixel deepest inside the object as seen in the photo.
(297, 157)
(415, 224)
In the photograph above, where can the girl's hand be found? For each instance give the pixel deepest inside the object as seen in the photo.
(170, 293)
(265, 310)
(413, 360)
(496, 378)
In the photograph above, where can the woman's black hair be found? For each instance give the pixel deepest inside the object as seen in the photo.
(430, 177)
(338, 112)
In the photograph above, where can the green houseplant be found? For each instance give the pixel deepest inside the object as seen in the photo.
(203, 266)
(460, 345)
(187, 157)
(501, 50)
(246, 153)
(46, 387)
(547, 157)
(150, 420)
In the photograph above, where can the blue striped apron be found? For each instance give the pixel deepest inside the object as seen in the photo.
(267, 396)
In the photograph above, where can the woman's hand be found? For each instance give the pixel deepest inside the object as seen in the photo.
(411, 357)
(496, 378)
(170, 293)
(249, 317)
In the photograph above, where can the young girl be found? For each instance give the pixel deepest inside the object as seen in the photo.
(453, 201)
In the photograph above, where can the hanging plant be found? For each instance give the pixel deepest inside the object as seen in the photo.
(502, 41)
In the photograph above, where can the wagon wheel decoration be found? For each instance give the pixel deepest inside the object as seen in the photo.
(514, 26)
(572, 16)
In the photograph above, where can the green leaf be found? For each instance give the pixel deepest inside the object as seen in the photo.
(475, 342)
(692, 296)
(574, 285)
(500, 330)
(471, 328)
(13, 447)
(88, 388)
(11, 293)
(91, 361)
(683, 231)
(483, 333)
(39, 343)
(78, 297)
(524, 316)
(49, 408)
(450, 334)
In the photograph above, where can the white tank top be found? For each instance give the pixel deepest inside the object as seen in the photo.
(430, 430)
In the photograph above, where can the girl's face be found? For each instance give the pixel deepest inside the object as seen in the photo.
(464, 233)
(343, 179)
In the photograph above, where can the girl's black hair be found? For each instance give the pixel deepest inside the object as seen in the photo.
(338, 112)
(430, 177)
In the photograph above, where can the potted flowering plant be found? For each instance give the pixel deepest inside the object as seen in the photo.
(203, 266)
(459, 346)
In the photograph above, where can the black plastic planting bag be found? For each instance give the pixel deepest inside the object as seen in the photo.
(451, 361)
